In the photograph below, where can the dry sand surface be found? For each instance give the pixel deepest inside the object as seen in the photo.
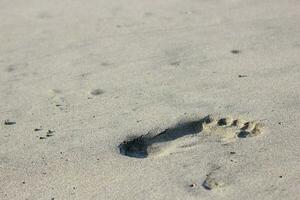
(149, 99)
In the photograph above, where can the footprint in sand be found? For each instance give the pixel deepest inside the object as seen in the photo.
(188, 134)
(211, 183)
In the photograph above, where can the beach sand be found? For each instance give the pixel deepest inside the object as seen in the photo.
(113, 99)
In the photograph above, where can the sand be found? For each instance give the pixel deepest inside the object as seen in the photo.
(79, 79)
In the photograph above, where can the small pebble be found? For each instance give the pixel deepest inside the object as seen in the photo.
(50, 133)
(235, 51)
(97, 92)
(8, 122)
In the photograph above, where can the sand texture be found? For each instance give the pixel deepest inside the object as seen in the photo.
(149, 99)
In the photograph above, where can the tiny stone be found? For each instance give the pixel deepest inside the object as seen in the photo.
(49, 131)
(175, 63)
(8, 122)
(235, 51)
(97, 92)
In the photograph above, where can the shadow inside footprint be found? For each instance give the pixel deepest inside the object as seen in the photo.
(138, 147)
(243, 134)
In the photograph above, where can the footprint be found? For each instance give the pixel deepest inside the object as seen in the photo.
(188, 134)
(211, 182)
